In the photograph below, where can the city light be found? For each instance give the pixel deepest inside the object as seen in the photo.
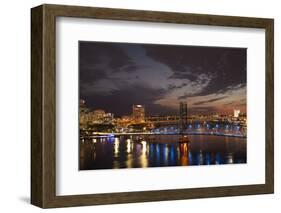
(128, 145)
(143, 146)
(150, 105)
(236, 113)
(116, 146)
(99, 123)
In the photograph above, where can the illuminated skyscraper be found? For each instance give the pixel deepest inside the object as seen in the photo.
(84, 113)
(236, 113)
(183, 115)
(138, 113)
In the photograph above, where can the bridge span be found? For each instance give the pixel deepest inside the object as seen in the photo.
(118, 134)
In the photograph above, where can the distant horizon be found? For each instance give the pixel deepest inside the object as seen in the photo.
(189, 113)
(114, 76)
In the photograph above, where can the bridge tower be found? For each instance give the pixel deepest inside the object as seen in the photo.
(183, 116)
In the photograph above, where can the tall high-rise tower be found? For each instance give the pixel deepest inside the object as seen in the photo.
(138, 113)
(236, 113)
(183, 115)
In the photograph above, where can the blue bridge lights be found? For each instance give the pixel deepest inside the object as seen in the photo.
(221, 129)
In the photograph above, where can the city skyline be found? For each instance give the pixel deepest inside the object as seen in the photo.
(235, 112)
(151, 105)
(116, 76)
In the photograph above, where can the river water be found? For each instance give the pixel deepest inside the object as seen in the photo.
(159, 151)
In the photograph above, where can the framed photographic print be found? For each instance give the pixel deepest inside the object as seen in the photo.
(136, 106)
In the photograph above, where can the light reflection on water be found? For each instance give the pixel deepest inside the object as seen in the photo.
(138, 152)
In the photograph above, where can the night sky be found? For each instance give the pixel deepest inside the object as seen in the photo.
(114, 76)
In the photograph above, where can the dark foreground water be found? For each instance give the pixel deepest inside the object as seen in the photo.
(158, 151)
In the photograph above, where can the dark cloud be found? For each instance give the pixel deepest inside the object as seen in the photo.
(242, 102)
(172, 86)
(120, 101)
(98, 59)
(131, 68)
(89, 75)
(226, 67)
(209, 101)
(231, 88)
(202, 110)
(114, 76)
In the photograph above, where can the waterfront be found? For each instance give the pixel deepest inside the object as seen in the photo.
(138, 151)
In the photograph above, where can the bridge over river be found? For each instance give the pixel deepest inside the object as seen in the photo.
(218, 130)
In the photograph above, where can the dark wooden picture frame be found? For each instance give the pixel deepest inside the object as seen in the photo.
(43, 105)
